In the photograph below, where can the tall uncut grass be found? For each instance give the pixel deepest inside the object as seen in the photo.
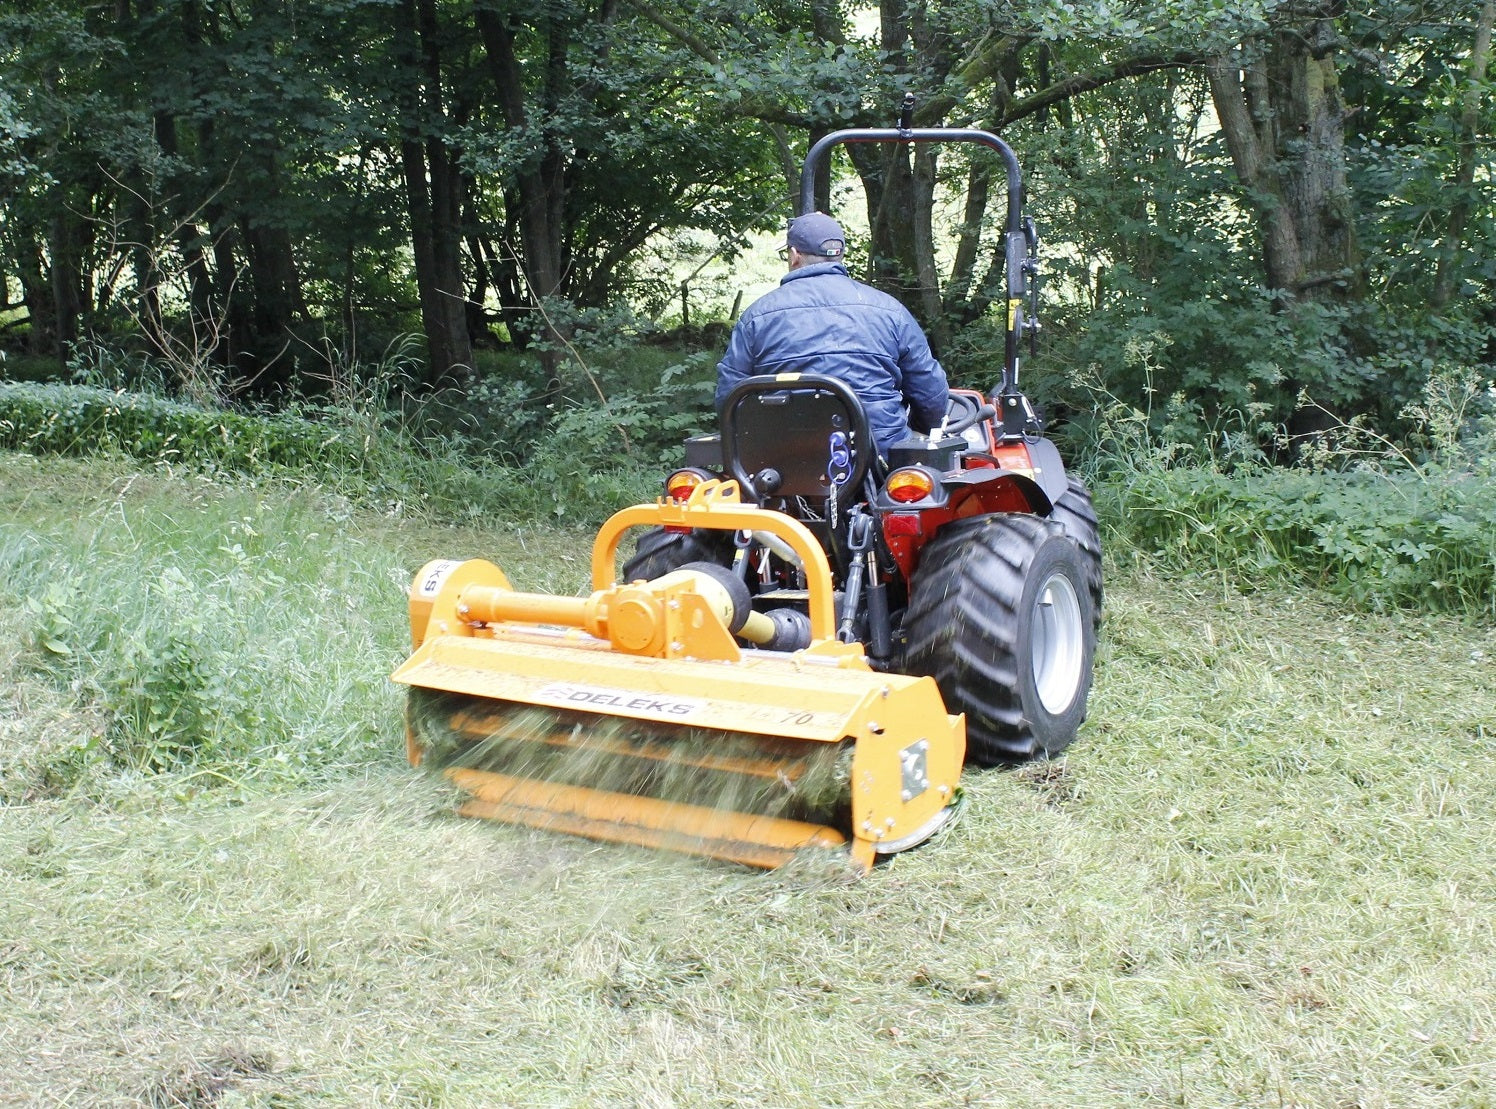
(1261, 876)
(205, 625)
(1382, 523)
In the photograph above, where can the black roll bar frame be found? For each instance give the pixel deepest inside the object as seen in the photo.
(1020, 243)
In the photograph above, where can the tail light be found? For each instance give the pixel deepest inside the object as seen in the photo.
(909, 485)
(682, 483)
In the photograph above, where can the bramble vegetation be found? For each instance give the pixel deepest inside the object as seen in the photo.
(80, 420)
(1378, 522)
(1383, 523)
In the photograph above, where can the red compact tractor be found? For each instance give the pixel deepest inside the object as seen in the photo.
(968, 554)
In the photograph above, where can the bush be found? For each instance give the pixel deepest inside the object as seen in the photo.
(1230, 350)
(649, 425)
(177, 699)
(1362, 516)
(1381, 541)
(588, 461)
(80, 420)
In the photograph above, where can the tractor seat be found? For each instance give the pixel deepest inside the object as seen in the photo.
(795, 435)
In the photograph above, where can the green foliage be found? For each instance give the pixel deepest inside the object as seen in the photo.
(177, 699)
(1361, 517)
(1150, 235)
(1148, 252)
(51, 632)
(1129, 419)
(602, 439)
(1408, 137)
(503, 415)
(648, 426)
(593, 458)
(1176, 350)
(1199, 363)
(1379, 541)
(1183, 21)
(79, 420)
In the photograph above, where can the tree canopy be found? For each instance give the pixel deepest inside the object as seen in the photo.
(1268, 196)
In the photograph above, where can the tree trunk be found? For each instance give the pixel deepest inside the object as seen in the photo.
(65, 250)
(967, 296)
(893, 194)
(276, 298)
(479, 262)
(1283, 120)
(926, 274)
(63, 265)
(540, 182)
(189, 234)
(961, 303)
(508, 278)
(1445, 278)
(432, 187)
(230, 321)
(146, 308)
(36, 295)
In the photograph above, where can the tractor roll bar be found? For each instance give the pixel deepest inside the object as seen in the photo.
(1018, 236)
(817, 152)
(1020, 242)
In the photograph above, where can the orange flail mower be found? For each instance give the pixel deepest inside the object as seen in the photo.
(643, 687)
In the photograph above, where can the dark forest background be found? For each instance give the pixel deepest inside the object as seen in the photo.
(1245, 204)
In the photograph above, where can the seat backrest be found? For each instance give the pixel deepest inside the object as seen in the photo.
(794, 435)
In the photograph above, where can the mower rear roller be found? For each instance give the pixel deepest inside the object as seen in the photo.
(747, 798)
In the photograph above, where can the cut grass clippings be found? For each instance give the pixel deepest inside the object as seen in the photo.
(1261, 876)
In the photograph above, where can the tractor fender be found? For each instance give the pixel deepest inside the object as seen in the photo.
(998, 490)
(1029, 479)
(993, 490)
(1048, 471)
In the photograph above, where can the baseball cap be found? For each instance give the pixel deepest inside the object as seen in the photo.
(817, 233)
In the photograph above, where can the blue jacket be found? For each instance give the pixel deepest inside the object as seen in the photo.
(821, 321)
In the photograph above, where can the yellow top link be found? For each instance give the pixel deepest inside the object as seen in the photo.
(718, 506)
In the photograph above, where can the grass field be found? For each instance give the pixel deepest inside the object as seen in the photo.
(1262, 876)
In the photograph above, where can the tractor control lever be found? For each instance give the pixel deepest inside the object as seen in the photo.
(906, 112)
(1031, 280)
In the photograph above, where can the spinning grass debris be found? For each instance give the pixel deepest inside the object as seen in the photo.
(733, 771)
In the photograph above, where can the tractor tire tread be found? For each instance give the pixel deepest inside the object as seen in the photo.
(964, 628)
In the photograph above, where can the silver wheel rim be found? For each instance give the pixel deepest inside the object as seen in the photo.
(1056, 642)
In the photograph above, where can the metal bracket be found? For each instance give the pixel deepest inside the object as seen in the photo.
(914, 763)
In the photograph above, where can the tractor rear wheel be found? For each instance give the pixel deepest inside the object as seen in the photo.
(659, 552)
(1001, 615)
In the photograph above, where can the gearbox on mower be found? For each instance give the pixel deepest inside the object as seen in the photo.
(809, 641)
